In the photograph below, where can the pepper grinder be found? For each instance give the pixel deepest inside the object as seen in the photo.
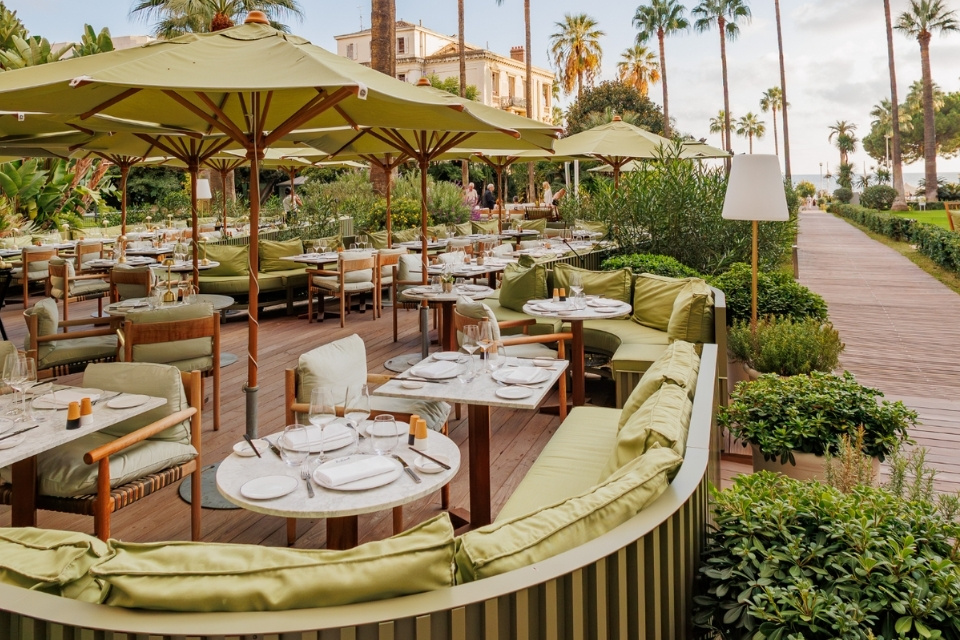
(86, 412)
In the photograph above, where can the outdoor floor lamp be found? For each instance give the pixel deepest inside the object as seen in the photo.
(755, 192)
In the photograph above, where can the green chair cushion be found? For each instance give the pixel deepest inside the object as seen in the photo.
(679, 365)
(186, 576)
(332, 242)
(48, 317)
(158, 380)
(539, 225)
(378, 239)
(490, 226)
(477, 311)
(636, 357)
(663, 420)
(607, 336)
(233, 260)
(406, 235)
(294, 278)
(543, 325)
(593, 225)
(74, 350)
(464, 228)
(61, 471)
(410, 269)
(521, 284)
(127, 291)
(653, 298)
(51, 561)
(510, 544)
(616, 285)
(272, 250)
(569, 464)
(692, 316)
(170, 352)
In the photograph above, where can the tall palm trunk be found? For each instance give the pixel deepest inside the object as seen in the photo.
(929, 133)
(899, 203)
(528, 90)
(383, 58)
(783, 98)
(464, 165)
(776, 144)
(579, 85)
(663, 80)
(750, 137)
(726, 90)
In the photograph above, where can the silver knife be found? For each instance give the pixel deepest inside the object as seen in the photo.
(407, 468)
(16, 433)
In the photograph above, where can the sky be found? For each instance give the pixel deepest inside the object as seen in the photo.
(836, 56)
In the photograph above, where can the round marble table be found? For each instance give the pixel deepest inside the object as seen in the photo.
(448, 329)
(597, 309)
(340, 508)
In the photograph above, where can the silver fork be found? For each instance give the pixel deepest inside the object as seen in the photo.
(305, 474)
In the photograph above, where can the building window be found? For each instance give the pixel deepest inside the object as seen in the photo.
(402, 77)
(496, 83)
(352, 51)
(547, 89)
(511, 82)
(401, 46)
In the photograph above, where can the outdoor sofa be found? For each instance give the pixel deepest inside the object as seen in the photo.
(279, 280)
(601, 539)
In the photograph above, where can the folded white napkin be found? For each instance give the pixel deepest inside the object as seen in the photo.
(334, 436)
(366, 467)
(442, 369)
(64, 397)
(522, 375)
(606, 302)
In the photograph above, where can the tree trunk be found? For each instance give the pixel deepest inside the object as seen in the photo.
(783, 96)
(899, 203)
(383, 58)
(579, 85)
(217, 185)
(776, 144)
(929, 132)
(528, 90)
(464, 165)
(663, 80)
(726, 90)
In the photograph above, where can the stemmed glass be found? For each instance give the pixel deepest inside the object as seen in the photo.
(356, 405)
(485, 339)
(576, 283)
(294, 444)
(323, 411)
(19, 373)
(471, 337)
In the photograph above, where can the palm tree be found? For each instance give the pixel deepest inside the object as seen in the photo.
(638, 67)
(899, 203)
(783, 98)
(772, 100)
(462, 55)
(528, 85)
(719, 123)
(846, 140)
(176, 17)
(749, 126)
(725, 14)
(660, 19)
(576, 52)
(920, 21)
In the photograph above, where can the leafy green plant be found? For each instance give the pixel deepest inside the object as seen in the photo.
(849, 467)
(650, 263)
(778, 294)
(444, 199)
(811, 413)
(879, 196)
(351, 194)
(786, 346)
(805, 189)
(793, 559)
(843, 194)
(404, 214)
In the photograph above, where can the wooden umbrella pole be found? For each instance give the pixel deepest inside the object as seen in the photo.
(753, 284)
(388, 170)
(253, 324)
(423, 215)
(194, 170)
(124, 174)
(223, 197)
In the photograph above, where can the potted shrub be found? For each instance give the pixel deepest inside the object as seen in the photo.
(791, 422)
(785, 346)
(789, 559)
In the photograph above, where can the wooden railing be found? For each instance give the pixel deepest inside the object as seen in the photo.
(633, 582)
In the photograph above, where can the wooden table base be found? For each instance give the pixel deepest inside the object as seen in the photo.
(24, 507)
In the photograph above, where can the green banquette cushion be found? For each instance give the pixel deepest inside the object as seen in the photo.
(691, 318)
(616, 285)
(186, 355)
(522, 283)
(271, 252)
(185, 576)
(679, 365)
(510, 544)
(406, 235)
(232, 258)
(51, 561)
(653, 298)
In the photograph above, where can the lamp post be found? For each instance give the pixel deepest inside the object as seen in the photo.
(755, 192)
(821, 176)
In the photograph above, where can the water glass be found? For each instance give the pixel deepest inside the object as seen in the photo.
(383, 434)
(14, 376)
(580, 301)
(323, 408)
(356, 404)
(496, 356)
(436, 283)
(295, 443)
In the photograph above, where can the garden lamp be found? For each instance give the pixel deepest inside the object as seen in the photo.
(755, 192)
(203, 189)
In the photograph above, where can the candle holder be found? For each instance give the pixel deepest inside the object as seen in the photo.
(169, 296)
(203, 246)
(122, 246)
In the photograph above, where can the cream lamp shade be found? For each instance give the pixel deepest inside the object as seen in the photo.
(203, 189)
(755, 189)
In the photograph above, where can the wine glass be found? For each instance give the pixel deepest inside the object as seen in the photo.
(576, 283)
(383, 434)
(323, 410)
(14, 374)
(294, 444)
(356, 405)
(485, 339)
(29, 374)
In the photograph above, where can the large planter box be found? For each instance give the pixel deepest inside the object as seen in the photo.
(808, 467)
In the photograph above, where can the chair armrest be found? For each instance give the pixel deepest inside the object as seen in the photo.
(92, 333)
(322, 272)
(139, 435)
(542, 339)
(86, 276)
(509, 324)
(83, 321)
(121, 338)
(378, 378)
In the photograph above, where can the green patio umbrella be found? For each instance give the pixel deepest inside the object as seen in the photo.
(615, 143)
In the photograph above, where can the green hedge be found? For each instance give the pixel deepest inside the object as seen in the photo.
(940, 245)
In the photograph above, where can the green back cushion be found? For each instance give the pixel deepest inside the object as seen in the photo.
(464, 228)
(158, 380)
(503, 546)
(521, 284)
(127, 291)
(609, 284)
(490, 226)
(58, 284)
(331, 242)
(173, 352)
(185, 576)
(692, 315)
(6, 348)
(478, 311)
(539, 225)
(48, 314)
(341, 363)
(653, 298)
(663, 420)
(406, 235)
(378, 239)
(272, 250)
(232, 259)
(410, 268)
(593, 225)
(54, 562)
(679, 364)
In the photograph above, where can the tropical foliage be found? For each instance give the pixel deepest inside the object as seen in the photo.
(576, 52)
(842, 133)
(718, 123)
(750, 126)
(660, 19)
(772, 101)
(92, 42)
(176, 17)
(620, 99)
(638, 68)
(778, 294)
(452, 85)
(946, 115)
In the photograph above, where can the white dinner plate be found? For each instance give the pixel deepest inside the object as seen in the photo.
(452, 356)
(403, 428)
(10, 443)
(365, 483)
(62, 398)
(243, 449)
(502, 375)
(514, 393)
(269, 487)
(5, 425)
(127, 401)
(550, 305)
(429, 466)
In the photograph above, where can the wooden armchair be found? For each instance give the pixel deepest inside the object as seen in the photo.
(33, 268)
(404, 276)
(130, 282)
(385, 272)
(59, 353)
(125, 449)
(65, 285)
(354, 274)
(88, 250)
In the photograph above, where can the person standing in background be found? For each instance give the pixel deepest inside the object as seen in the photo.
(470, 197)
(547, 194)
(291, 203)
(490, 197)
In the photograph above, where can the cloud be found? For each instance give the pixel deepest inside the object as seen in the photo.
(818, 16)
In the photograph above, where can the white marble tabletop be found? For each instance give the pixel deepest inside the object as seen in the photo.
(314, 258)
(595, 309)
(53, 432)
(131, 305)
(473, 291)
(467, 270)
(235, 471)
(481, 390)
(106, 263)
(187, 265)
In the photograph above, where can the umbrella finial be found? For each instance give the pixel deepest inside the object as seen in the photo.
(617, 119)
(256, 17)
(423, 82)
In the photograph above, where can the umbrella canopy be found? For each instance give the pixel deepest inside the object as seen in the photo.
(702, 150)
(614, 143)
